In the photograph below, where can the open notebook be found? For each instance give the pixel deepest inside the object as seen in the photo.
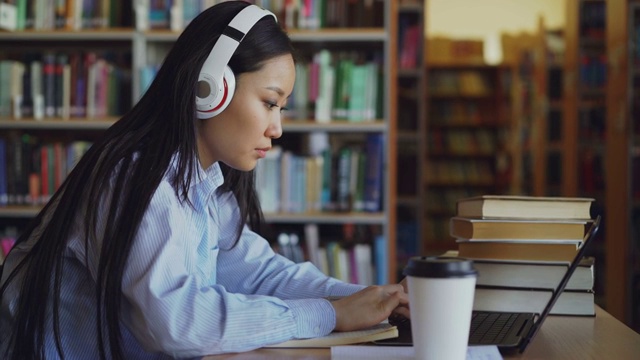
(377, 332)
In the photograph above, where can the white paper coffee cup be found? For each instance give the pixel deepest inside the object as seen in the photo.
(441, 294)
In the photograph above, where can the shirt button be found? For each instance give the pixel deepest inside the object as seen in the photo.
(316, 329)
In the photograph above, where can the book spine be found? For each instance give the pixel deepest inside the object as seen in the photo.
(374, 174)
(49, 77)
(381, 265)
(4, 196)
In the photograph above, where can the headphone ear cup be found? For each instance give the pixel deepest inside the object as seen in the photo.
(211, 100)
(229, 85)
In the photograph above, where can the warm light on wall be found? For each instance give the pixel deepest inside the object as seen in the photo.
(492, 50)
(477, 19)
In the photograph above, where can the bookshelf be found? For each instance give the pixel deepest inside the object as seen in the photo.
(584, 106)
(524, 57)
(629, 145)
(411, 117)
(622, 292)
(371, 35)
(468, 129)
(583, 140)
(537, 91)
(553, 74)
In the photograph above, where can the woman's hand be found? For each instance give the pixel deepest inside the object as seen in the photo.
(370, 306)
(402, 311)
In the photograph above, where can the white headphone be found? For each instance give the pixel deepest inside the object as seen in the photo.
(216, 82)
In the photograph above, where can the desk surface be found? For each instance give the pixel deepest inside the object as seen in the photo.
(561, 337)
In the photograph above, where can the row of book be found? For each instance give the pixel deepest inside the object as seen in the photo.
(592, 170)
(338, 85)
(309, 14)
(70, 14)
(453, 172)
(593, 19)
(460, 83)
(461, 113)
(176, 14)
(593, 70)
(346, 179)
(358, 262)
(31, 172)
(436, 228)
(522, 247)
(63, 85)
(410, 39)
(443, 200)
(476, 141)
(592, 123)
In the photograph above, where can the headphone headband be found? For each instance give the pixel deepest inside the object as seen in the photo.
(216, 81)
(230, 38)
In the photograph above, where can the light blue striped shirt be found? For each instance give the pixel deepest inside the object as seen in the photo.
(188, 293)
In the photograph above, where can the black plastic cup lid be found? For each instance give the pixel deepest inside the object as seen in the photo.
(439, 267)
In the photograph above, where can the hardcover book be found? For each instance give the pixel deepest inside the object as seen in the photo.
(474, 228)
(578, 303)
(518, 250)
(525, 207)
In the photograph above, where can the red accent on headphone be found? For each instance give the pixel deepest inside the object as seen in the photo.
(224, 98)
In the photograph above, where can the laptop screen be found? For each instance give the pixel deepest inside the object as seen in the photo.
(593, 229)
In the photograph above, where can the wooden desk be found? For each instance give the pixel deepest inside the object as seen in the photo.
(561, 337)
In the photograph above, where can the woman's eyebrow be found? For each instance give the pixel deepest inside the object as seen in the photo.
(276, 89)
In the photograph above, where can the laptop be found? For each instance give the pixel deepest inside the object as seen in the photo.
(510, 331)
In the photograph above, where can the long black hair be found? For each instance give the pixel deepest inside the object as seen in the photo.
(128, 163)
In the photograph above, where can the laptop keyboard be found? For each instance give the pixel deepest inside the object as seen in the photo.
(490, 328)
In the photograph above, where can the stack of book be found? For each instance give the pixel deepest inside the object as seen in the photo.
(521, 247)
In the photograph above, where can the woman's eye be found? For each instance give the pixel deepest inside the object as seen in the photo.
(270, 105)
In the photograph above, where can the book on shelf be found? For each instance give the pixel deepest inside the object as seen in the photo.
(8, 16)
(525, 207)
(570, 302)
(69, 15)
(336, 85)
(347, 179)
(477, 228)
(31, 171)
(373, 175)
(4, 192)
(64, 84)
(336, 338)
(349, 263)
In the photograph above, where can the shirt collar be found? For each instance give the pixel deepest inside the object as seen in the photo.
(212, 175)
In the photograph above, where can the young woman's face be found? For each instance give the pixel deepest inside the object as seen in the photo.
(242, 133)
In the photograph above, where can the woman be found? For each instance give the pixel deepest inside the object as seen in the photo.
(145, 252)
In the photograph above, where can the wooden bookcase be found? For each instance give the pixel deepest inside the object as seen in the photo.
(538, 112)
(622, 235)
(147, 47)
(468, 131)
(584, 110)
(607, 140)
(411, 139)
(584, 140)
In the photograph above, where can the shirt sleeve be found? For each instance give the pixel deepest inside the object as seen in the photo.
(263, 271)
(172, 309)
(250, 266)
(301, 286)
